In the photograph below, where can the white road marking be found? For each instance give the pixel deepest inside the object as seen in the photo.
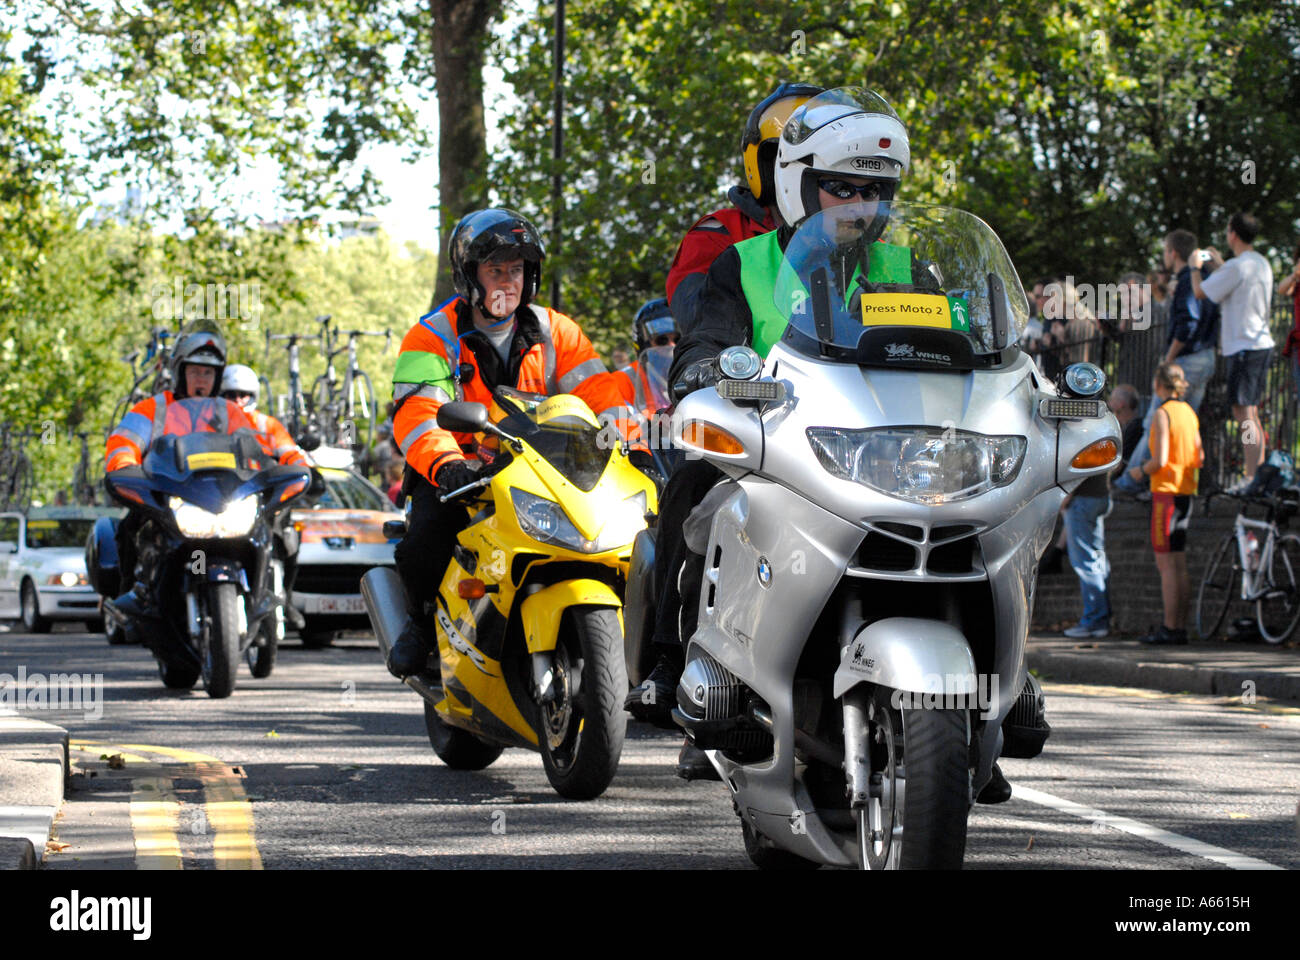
(1197, 848)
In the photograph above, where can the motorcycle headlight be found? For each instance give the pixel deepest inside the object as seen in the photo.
(921, 464)
(545, 520)
(236, 520)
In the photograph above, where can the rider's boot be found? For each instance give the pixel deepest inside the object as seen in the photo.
(996, 790)
(692, 764)
(652, 702)
(410, 652)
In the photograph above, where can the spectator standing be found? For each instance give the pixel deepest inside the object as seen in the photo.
(1142, 321)
(1176, 455)
(1193, 333)
(1126, 404)
(1290, 287)
(1243, 289)
(1085, 513)
(619, 358)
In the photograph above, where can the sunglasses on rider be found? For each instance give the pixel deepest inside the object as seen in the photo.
(236, 395)
(843, 190)
(664, 339)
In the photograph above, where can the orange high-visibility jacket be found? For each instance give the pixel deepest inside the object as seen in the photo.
(273, 435)
(436, 365)
(158, 415)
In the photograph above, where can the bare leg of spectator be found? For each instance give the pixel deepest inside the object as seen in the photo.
(1252, 438)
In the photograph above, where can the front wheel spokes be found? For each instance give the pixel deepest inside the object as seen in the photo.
(1278, 608)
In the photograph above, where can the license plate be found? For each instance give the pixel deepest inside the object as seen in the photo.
(347, 604)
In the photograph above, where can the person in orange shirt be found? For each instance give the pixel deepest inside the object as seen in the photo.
(198, 360)
(1176, 457)
(239, 385)
(490, 334)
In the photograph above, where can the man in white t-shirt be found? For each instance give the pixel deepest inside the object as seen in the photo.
(1243, 289)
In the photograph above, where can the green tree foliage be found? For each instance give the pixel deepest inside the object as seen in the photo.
(1081, 131)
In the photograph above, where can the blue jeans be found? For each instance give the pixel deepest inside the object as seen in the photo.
(1085, 529)
(1198, 368)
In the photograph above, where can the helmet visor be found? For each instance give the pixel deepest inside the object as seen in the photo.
(834, 105)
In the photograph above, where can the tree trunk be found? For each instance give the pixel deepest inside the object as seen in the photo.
(460, 34)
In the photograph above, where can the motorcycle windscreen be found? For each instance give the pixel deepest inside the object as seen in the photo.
(895, 283)
(655, 363)
(205, 433)
(574, 448)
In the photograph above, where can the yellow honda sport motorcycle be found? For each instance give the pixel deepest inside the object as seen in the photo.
(530, 610)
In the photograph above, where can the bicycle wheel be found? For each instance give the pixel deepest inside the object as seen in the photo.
(1219, 585)
(21, 495)
(364, 408)
(322, 404)
(1278, 610)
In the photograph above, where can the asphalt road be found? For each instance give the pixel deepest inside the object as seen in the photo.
(326, 764)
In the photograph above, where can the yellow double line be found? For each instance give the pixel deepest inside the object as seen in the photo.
(155, 811)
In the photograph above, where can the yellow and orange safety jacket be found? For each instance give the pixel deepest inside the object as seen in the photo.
(437, 364)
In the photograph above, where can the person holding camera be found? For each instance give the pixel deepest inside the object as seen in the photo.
(1243, 289)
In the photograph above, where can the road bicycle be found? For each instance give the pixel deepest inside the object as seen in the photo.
(155, 369)
(350, 400)
(1256, 562)
(293, 410)
(85, 489)
(16, 478)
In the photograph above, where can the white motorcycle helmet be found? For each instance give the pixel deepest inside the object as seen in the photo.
(850, 131)
(241, 379)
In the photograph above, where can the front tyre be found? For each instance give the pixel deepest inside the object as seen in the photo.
(458, 749)
(261, 659)
(581, 730)
(1278, 611)
(920, 789)
(32, 620)
(220, 653)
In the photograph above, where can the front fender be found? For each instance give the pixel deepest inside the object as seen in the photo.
(908, 653)
(540, 614)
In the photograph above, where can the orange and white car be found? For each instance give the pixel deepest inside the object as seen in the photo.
(341, 538)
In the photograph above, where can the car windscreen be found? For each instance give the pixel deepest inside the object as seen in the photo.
(347, 491)
(58, 533)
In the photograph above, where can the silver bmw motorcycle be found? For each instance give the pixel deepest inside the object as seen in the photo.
(895, 467)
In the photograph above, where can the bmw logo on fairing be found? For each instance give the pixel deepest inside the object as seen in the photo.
(764, 571)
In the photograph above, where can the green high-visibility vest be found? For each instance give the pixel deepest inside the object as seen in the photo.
(760, 263)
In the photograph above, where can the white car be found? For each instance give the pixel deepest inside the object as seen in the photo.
(341, 538)
(43, 567)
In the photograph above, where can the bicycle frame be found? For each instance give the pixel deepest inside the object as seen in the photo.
(1256, 582)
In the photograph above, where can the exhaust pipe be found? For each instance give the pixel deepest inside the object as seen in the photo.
(385, 598)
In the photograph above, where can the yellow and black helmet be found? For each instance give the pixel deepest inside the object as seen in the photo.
(763, 130)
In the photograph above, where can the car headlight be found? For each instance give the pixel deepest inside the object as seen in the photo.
(234, 521)
(67, 579)
(921, 464)
(545, 520)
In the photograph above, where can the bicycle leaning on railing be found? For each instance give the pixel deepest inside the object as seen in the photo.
(1258, 563)
(350, 399)
(85, 482)
(298, 420)
(16, 478)
(155, 370)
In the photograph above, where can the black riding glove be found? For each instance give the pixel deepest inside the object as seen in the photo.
(456, 474)
(698, 376)
(642, 460)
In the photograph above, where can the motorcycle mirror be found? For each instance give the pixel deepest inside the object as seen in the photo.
(462, 416)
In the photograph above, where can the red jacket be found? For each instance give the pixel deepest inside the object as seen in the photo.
(703, 243)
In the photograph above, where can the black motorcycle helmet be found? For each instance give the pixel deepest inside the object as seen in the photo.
(494, 234)
(654, 319)
(200, 343)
